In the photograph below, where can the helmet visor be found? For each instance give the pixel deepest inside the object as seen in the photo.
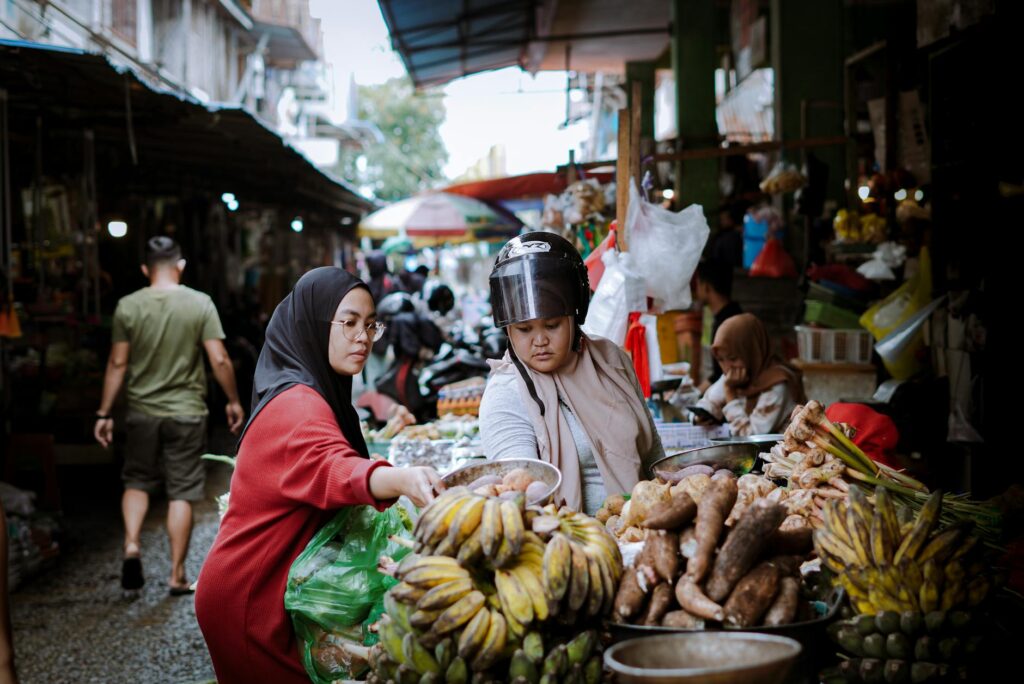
(527, 289)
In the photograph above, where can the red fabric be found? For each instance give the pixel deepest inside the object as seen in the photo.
(518, 187)
(636, 345)
(294, 470)
(876, 434)
(595, 267)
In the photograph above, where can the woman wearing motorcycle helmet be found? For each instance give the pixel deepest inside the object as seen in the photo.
(559, 395)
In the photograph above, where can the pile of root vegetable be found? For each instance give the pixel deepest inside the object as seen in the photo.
(695, 572)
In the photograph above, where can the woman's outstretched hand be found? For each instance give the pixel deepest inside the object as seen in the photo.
(418, 483)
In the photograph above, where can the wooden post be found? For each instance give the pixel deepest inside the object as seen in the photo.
(635, 125)
(622, 179)
(570, 173)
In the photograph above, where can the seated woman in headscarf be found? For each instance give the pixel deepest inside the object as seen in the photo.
(559, 395)
(300, 459)
(758, 390)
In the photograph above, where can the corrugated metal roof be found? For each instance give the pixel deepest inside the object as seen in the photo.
(445, 39)
(175, 136)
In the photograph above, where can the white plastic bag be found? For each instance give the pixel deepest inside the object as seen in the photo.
(669, 245)
(620, 292)
(650, 324)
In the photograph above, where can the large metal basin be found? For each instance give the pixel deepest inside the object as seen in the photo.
(538, 470)
(737, 457)
(703, 658)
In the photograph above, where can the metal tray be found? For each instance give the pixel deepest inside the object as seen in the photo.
(766, 441)
(538, 470)
(737, 457)
(809, 632)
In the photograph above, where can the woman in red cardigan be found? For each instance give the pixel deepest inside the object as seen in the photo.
(301, 457)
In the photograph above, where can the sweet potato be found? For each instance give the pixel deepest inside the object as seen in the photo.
(680, 619)
(630, 598)
(712, 510)
(693, 600)
(744, 546)
(675, 476)
(673, 514)
(662, 598)
(753, 596)
(788, 565)
(797, 540)
(688, 542)
(518, 479)
(693, 485)
(646, 495)
(661, 552)
(614, 504)
(783, 610)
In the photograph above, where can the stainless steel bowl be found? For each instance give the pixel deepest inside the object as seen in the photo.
(764, 441)
(737, 457)
(703, 658)
(538, 470)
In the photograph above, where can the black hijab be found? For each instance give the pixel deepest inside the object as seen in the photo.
(296, 349)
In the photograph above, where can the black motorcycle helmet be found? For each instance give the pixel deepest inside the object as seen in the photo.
(438, 296)
(394, 304)
(539, 275)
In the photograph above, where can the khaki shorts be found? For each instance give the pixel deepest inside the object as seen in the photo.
(165, 449)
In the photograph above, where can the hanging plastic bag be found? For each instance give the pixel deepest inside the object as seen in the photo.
(773, 261)
(653, 347)
(902, 350)
(636, 345)
(335, 590)
(594, 261)
(669, 245)
(882, 318)
(621, 292)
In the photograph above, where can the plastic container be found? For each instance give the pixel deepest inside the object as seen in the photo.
(830, 316)
(820, 345)
(836, 295)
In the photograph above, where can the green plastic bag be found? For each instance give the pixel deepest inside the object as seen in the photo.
(335, 591)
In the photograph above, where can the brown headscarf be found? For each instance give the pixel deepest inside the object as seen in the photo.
(599, 385)
(745, 337)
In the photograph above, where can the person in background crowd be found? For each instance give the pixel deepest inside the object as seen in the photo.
(714, 290)
(758, 389)
(559, 395)
(381, 283)
(157, 334)
(8, 673)
(302, 457)
(726, 244)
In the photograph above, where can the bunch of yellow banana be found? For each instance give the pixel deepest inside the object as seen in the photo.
(582, 564)
(888, 565)
(469, 527)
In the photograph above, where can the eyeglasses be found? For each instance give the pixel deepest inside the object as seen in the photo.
(353, 330)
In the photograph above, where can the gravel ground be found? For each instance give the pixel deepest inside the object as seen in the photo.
(72, 623)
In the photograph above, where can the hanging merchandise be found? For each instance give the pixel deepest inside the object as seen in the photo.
(759, 224)
(636, 346)
(783, 178)
(669, 245)
(594, 262)
(622, 291)
(657, 371)
(902, 350)
(773, 261)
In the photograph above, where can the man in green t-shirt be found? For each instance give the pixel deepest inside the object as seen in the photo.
(157, 335)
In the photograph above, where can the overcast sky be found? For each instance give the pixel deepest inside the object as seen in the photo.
(506, 107)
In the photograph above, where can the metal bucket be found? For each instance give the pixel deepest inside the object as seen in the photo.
(703, 658)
